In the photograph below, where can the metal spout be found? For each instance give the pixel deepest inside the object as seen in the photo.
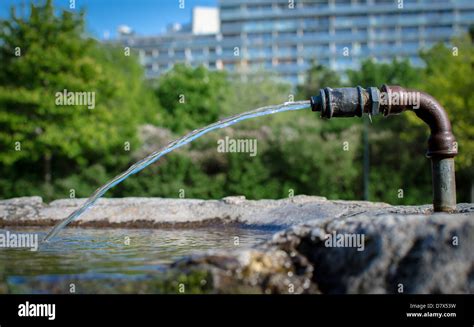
(392, 100)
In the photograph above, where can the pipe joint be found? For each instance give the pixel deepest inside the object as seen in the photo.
(393, 100)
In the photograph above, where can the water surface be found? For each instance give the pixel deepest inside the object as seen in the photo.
(100, 261)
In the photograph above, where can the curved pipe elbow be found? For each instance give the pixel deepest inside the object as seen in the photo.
(392, 100)
(441, 143)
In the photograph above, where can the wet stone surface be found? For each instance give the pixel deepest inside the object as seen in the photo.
(308, 245)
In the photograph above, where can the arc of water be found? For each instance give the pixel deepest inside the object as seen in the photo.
(138, 166)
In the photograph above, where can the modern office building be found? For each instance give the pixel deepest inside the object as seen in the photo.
(286, 36)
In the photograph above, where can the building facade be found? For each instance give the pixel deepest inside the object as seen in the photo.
(287, 36)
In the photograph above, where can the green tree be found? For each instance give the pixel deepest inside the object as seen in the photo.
(257, 90)
(191, 97)
(448, 76)
(396, 144)
(43, 53)
(372, 73)
(318, 77)
(295, 149)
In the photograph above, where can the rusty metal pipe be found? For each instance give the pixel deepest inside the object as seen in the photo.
(392, 100)
(444, 184)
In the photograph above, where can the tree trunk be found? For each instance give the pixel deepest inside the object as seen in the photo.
(472, 191)
(47, 168)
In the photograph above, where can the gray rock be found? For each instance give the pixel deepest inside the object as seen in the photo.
(403, 252)
(159, 212)
(21, 209)
(402, 249)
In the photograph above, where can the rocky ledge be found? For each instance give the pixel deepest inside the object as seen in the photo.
(323, 246)
(387, 250)
(163, 213)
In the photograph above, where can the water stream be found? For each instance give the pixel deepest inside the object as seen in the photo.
(135, 168)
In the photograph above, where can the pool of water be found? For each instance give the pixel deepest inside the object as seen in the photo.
(86, 260)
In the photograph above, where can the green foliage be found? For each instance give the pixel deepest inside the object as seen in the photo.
(295, 150)
(449, 77)
(258, 90)
(310, 160)
(318, 77)
(43, 54)
(396, 144)
(72, 147)
(191, 97)
(371, 73)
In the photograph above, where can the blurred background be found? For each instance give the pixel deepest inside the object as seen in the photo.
(226, 57)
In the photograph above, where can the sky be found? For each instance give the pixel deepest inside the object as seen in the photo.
(145, 17)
